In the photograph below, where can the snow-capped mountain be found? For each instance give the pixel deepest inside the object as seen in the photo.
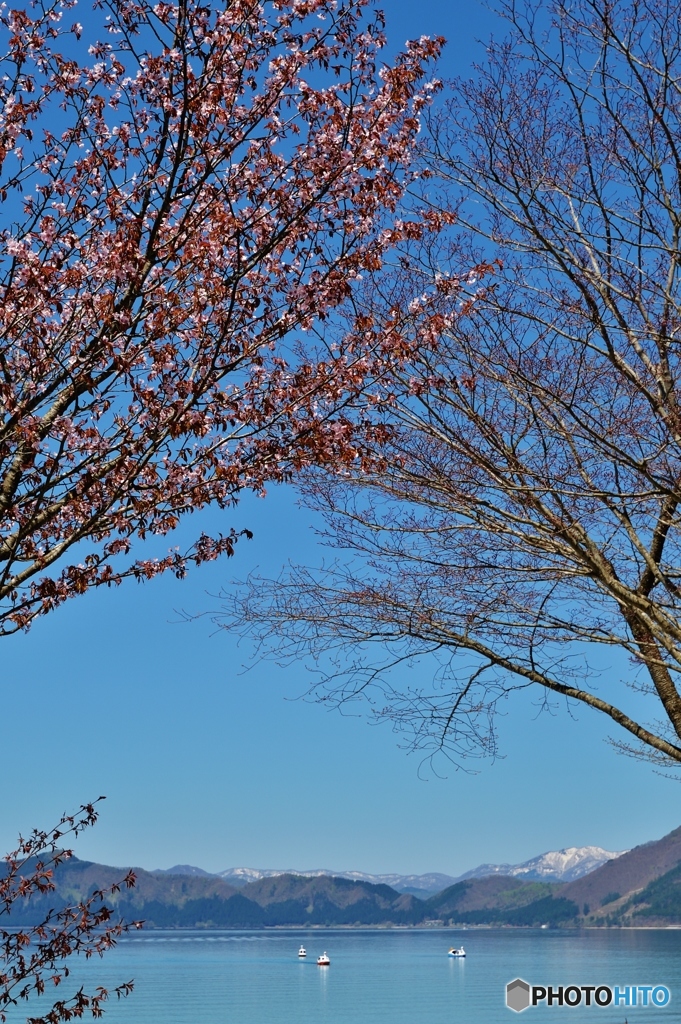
(555, 866)
(417, 884)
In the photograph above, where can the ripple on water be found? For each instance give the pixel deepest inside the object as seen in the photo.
(376, 977)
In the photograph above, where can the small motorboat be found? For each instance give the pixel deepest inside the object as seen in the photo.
(323, 960)
(302, 952)
(457, 951)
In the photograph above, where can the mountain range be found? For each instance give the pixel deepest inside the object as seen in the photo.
(555, 866)
(639, 887)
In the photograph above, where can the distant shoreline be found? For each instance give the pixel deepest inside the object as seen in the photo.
(413, 928)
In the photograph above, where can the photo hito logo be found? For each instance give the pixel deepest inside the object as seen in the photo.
(520, 995)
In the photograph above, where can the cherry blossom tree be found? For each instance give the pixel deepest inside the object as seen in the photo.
(189, 192)
(34, 958)
(519, 521)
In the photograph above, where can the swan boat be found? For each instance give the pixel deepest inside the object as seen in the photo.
(302, 952)
(323, 960)
(457, 952)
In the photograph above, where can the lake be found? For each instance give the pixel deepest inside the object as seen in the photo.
(389, 976)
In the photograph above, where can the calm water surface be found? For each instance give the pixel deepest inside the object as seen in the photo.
(378, 977)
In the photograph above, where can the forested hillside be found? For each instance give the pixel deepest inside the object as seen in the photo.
(642, 886)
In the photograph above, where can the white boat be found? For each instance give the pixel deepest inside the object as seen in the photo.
(323, 960)
(454, 951)
(302, 952)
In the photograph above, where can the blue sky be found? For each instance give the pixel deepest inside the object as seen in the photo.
(204, 763)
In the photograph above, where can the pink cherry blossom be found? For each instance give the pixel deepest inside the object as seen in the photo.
(187, 189)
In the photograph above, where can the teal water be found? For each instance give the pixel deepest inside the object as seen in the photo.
(377, 977)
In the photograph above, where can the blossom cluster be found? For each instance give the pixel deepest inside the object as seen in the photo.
(187, 190)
